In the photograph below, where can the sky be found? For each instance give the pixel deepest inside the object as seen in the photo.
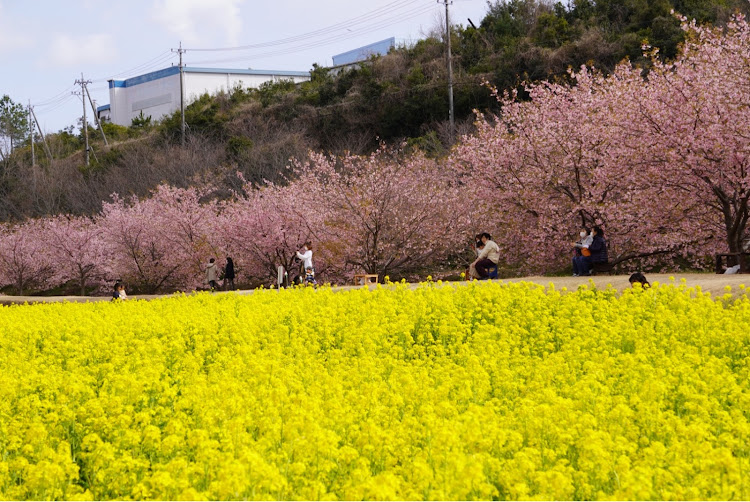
(46, 45)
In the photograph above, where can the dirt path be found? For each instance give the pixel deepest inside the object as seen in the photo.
(715, 284)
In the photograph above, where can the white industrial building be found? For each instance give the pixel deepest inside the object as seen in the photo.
(157, 94)
(351, 58)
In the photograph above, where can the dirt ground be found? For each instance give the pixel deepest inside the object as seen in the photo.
(713, 283)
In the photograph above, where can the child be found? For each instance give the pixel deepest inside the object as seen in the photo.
(119, 292)
(471, 273)
(639, 278)
(310, 276)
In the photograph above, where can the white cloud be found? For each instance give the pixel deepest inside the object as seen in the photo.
(194, 21)
(67, 50)
(11, 39)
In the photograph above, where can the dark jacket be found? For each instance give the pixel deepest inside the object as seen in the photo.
(229, 270)
(598, 250)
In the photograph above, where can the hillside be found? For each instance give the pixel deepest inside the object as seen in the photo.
(401, 97)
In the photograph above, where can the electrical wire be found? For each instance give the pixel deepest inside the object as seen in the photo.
(56, 96)
(50, 104)
(50, 109)
(325, 41)
(347, 24)
(158, 61)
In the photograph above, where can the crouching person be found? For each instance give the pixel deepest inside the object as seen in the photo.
(488, 257)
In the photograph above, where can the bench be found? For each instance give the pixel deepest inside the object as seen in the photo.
(492, 272)
(601, 268)
(362, 279)
(741, 259)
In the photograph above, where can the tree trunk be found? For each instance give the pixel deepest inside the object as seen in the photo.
(735, 230)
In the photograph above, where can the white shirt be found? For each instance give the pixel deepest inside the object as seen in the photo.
(491, 251)
(585, 242)
(306, 257)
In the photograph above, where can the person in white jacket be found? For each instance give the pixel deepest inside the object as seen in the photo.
(212, 274)
(581, 249)
(488, 257)
(306, 257)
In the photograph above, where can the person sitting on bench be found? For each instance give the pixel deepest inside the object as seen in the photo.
(598, 250)
(488, 257)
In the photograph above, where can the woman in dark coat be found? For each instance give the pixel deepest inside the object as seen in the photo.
(598, 250)
(229, 274)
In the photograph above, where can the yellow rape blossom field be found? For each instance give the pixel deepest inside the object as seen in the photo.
(478, 391)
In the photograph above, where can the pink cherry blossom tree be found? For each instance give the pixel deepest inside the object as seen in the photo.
(264, 228)
(188, 219)
(386, 213)
(162, 242)
(78, 250)
(25, 259)
(697, 109)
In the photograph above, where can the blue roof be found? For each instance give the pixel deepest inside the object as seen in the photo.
(363, 53)
(173, 70)
(102, 108)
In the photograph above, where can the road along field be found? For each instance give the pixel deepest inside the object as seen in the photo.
(476, 391)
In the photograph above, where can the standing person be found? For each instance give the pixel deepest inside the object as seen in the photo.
(598, 250)
(488, 257)
(212, 274)
(581, 249)
(229, 274)
(306, 257)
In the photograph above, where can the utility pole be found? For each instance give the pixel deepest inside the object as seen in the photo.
(85, 122)
(181, 51)
(31, 138)
(41, 133)
(450, 69)
(96, 117)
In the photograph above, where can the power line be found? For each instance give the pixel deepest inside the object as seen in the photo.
(368, 16)
(57, 106)
(66, 92)
(328, 40)
(157, 61)
(337, 37)
(54, 103)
